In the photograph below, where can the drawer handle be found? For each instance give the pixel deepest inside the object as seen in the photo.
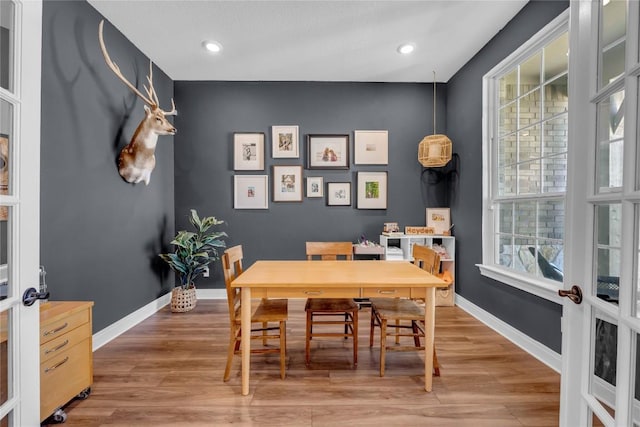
(313, 292)
(58, 329)
(387, 291)
(51, 350)
(57, 365)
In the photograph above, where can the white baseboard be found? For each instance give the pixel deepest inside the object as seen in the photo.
(528, 344)
(114, 330)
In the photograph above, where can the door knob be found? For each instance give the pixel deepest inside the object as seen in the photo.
(574, 294)
(31, 295)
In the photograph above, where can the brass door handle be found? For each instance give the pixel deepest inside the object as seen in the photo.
(574, 294)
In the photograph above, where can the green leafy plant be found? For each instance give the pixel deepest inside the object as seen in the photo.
(195, 251)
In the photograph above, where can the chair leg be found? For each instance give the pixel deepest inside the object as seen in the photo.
(307, 355)
(373, 325)
(383, 344)
(346, 325)
(283, 347)
(416, 333)
(397, 332)
(230, 352)
(355, 337)
(436, 365)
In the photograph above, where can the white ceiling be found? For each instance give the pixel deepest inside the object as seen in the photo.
(308, 40)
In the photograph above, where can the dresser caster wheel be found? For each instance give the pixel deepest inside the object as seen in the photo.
(84, 393)
(59, 416)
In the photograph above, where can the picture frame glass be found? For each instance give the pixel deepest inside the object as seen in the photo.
(285, 142)
(439, 219)
(328, 151)
(372, 190)
(251, 192)
(339, 194)
(315, 186)
(248, 151)
(371, 147)
(287, 183)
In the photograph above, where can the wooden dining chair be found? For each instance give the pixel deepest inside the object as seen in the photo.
(266, 312)
(401, 317)
(331, 308)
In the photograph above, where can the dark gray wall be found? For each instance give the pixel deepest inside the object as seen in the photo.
(538, 318)
(100, 235)
(211, 111)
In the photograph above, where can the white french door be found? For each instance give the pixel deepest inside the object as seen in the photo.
(601, 360)
(20, 59)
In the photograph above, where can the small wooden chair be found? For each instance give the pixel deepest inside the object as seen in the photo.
(323, 307)
(400, 311)
(264, 312)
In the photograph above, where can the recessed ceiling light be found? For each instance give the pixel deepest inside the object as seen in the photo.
(406, 48)
(212, 46)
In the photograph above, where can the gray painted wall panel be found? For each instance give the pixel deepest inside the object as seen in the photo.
(100, 235)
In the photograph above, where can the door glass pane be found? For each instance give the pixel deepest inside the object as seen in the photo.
(635, 398)
(556, 135)
(529, 112)
(529, 177)
(6, 126)
(530, 73)
(556, 57)
(530, 145)
(605, 353)
(609, 231)
(5, 289)
(5, 379)
(612, 39)
(508, 88)
(611, 142)
(556, 96)
(7, 11)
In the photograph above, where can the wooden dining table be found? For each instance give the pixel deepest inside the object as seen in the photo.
(336, 279)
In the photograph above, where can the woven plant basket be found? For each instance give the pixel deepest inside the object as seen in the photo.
(434, 151)
(183, 300)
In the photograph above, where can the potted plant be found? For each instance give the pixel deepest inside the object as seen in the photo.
(194, 251)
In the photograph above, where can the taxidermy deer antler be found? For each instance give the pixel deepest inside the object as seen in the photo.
(137, 159)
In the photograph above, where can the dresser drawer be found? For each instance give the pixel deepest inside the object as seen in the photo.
(386, 292)
(313, 293)
(49, 331)
(65, 375)
(64, 342)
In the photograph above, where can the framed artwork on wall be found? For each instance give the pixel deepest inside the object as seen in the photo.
(439, 219)
(327, 151)
(284, 142)
(371, 147)
(287, 183)
(248, 151)
(251, 192)
(315, 186)
(372, 190)
(339, 194)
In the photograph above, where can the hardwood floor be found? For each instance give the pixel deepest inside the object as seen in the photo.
(168, 371)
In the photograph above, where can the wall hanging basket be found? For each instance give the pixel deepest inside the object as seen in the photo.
(434, 151)
(183, 300)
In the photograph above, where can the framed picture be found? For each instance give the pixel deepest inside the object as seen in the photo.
(339, 194)
(372, 190)
(371, 147)
(284, 142)
(287, 183)
(439, 219)
(251, 192)
(248, 151)
(315, 186)
(328, 151)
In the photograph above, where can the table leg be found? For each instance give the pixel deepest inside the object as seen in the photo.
(429, 332)
(245, 324)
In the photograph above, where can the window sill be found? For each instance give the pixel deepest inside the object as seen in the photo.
(541, 288)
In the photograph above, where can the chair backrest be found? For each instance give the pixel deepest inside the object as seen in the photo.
(426, 258)
(329, 250)
(232, 268)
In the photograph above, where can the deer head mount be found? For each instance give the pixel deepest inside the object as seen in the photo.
(137, 159)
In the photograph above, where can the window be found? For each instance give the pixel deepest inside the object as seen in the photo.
(525, 165)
